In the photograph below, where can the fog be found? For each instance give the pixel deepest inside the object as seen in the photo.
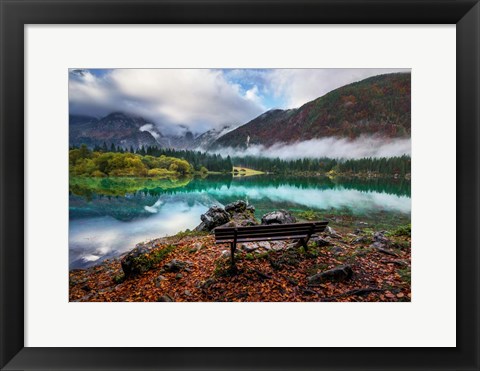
(326, 147)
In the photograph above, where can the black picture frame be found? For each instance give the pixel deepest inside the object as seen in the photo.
(17, 13)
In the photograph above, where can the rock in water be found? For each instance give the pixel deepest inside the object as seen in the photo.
(214, 217)
(278, 217)
(337, 274)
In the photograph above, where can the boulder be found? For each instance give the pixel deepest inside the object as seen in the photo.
(278, 217)
(361, 240)
(278, 245)
(241, 214)
(321, 242)
(241, 220)
(332, 233)
(380, 242)
(135, 262)
(337, 274)
(337, 250)
(249, 246)
(380, 237)
(235, 214)
(159, 280)
(264, 245)
(236, 207)
(175, 266)
(165, 298)
(214, 217)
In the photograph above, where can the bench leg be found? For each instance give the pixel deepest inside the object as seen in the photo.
(303, 242)
(233, 247)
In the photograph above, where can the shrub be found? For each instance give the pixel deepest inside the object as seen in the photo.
(98, 174)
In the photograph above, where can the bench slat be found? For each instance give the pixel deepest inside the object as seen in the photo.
(294, 237)
(303, 230)
(271, 227)
(257, 230)
(265, 234)
(278, 225)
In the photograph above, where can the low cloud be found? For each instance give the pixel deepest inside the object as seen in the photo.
(326, 147)
(150, 128)
(197, 99)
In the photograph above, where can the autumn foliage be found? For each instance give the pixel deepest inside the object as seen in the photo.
(263, 276)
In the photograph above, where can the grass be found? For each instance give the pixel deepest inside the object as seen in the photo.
(189, 233)
(308, 215)
(404, 230)
(145, 262)
(119, 278)
(405, 274)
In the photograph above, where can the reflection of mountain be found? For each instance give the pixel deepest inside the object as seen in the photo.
(98, 237)
(134, 206)
(143, 201)
(88, 186)
(103, 225)
(294, 198)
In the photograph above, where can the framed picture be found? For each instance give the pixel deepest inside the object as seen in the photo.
(239, 185)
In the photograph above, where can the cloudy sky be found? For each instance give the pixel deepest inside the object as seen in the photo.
(202, 99)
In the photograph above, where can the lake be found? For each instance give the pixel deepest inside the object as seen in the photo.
(110, 216)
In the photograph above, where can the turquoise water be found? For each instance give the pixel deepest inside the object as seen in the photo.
(103, 225)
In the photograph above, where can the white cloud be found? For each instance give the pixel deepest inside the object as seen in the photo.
(299, 86)
(199, 99)
(151, 130)
(202, 99)
(253, 96)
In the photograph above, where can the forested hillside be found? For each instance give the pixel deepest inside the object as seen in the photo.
(379, 105)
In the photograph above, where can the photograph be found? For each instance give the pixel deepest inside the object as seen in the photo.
(239, 185)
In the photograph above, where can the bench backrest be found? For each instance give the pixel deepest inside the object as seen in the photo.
(271, 230)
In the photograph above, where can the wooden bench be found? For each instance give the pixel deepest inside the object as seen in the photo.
(272, 232)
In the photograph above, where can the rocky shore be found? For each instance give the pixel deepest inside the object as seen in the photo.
(339, 265)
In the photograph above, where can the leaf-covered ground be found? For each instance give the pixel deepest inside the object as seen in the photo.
(262, 276)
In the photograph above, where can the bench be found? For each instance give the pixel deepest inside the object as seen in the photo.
(272, 232)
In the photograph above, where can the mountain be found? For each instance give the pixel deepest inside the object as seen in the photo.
(205, 140)
(117, 128)
(181, 141)
(378, 105)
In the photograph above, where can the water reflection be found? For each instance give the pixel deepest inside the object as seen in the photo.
(96, 238)
(105, 223)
